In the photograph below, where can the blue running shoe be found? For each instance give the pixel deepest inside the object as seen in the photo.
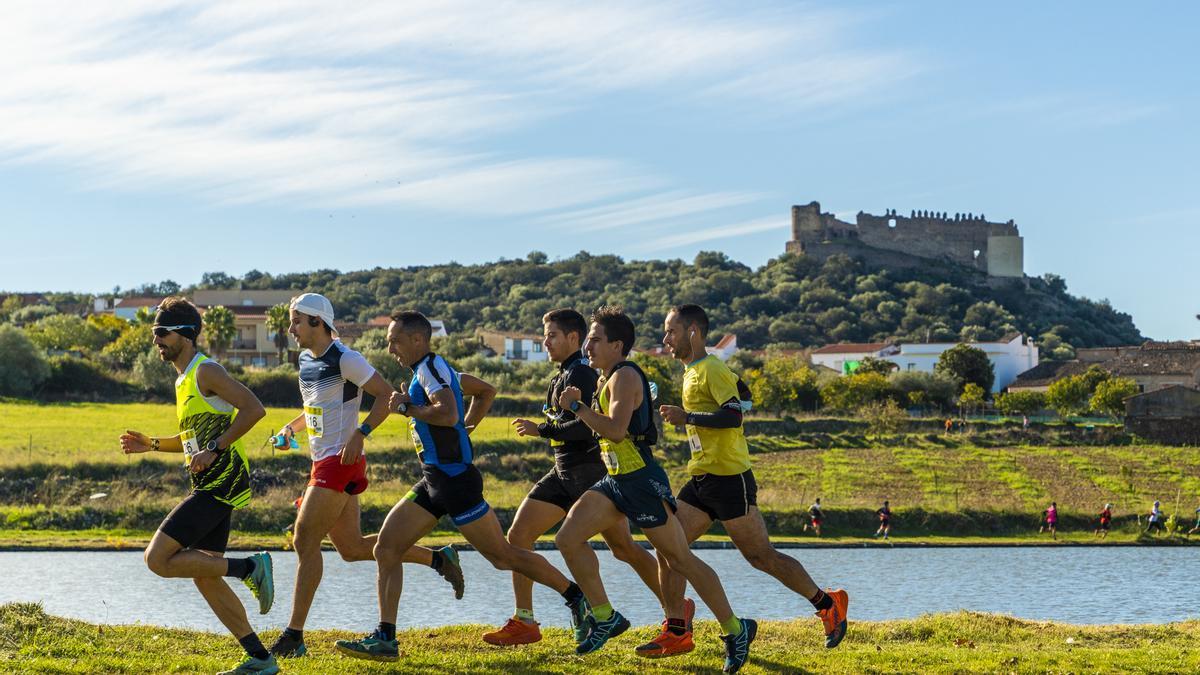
(261, 581)
(580, 611)
(372, 648)
(599, 632)
(253, 666)
(737, 647)
(451, 570)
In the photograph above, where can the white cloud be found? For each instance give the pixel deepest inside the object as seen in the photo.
(391, 103)
(721, 232)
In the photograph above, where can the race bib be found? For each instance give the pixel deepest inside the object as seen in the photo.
(416, 438)
(314, 420)
(609, 457)
(191, 446)
(694, 440)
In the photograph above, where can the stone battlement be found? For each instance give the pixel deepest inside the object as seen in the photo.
(964, 238)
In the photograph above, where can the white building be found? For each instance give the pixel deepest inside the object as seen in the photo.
(1010, 356)
(514, 346)
(725, 348)
(844, 358)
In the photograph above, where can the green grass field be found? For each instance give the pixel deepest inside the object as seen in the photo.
(34, 642)
(939, 487)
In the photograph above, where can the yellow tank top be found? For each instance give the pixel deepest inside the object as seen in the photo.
(626, 456)
(201, 420)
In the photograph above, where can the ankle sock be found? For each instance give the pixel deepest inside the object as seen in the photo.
(525, 615)
(386, 630)
(239, 568)
(573, 594)
(732, 625)
(253, 646)
(821, 600)
(676, 626)
(292, 633)
(603, 612)
(436, 562)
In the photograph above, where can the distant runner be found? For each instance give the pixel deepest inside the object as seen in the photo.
(885, 520)
(1051, 522)
(1155, 520)
(1105, 521)
(214, 412)
(815, 516)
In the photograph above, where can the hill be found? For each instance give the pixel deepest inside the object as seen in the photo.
(790, 301)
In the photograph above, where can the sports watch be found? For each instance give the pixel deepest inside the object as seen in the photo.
(213, 447)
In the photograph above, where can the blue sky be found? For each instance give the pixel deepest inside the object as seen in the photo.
(144, 141)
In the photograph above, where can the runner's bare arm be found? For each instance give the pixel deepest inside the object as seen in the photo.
(134, 442)
(482, 396)
(626, 396)
(212, 379)
(441, 411)
(382, 391)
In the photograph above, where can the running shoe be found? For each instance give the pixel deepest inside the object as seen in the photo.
(261, 581)
(834, 617)
(253, 666)
(599, 632)
(667, 643)
(451, 570)
(737, 647)
(580, 611)
(515, 632)
(287, 647)
(371, 647)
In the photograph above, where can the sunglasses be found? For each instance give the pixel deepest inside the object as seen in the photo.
(163, 331)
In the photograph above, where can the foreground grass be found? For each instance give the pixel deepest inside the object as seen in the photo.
(34, 642)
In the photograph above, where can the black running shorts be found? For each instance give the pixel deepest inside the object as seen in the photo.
(460, 497)
(640, 495)
(200, 522)
(564, 487)
(721, 497)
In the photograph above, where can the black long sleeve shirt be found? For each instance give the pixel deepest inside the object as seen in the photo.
(573, 442)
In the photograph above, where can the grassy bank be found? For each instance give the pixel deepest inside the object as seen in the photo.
(949, 643)
(72, 477)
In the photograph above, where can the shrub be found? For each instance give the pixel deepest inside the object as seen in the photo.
(73, 378)
(22, 366)
(1020, 402)
(277, 386)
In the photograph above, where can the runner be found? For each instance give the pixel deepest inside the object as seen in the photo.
(577, 467)
(1051, 525)
(816, 516)
(333, 378)
(722, 486)
(1155, 520)
(1105, 521)
(451, 485)
(214, 412)
(1196, 527)
(635, 489)
(885, 520)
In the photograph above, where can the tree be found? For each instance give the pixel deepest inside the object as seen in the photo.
(144, 316)
(31, 314)
(783, 384)
(874, 365)
(852, 392)
(968, 365)
(1109, 397)
(135, 341)
(1069, 396)
(971, 397)
(1020, 402)
(64, 332)
(666, 374)
(219, 328)
(883, 417)
(925, 389)
(279, 320)
(112, 326)
(22, 366)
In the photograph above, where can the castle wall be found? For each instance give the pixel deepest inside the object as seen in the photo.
(973, 241)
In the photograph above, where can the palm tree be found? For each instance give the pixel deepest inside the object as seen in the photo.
(220, 328)
(278, 321)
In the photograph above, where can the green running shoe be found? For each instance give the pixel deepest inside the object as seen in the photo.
(580, 611)
(451, 570)
(372, 648)
(253, 666)
(600, 631)
(261, 581)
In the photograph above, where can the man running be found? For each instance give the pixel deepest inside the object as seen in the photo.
(1196, 527)
(816, 516)
(451, 485)
(1105, 521)
(577, 467)
(722, 486)
(214, 412)
(332, 380)
(885, 520)
(635, 489)
(1155, 519)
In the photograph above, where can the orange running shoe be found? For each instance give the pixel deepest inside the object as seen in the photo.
(834, 617)
(667, 643)
(514, 632)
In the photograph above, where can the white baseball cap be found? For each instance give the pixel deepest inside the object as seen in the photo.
(314, 304)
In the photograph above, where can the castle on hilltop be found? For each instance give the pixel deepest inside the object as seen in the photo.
(905, 241)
